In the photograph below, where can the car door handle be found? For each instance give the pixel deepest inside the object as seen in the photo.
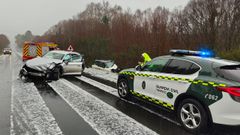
(183, 82)
(151, 77)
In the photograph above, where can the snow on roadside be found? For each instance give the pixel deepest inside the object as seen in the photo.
(106, 75)
(99, 85)
(29, 113)
(105, 119)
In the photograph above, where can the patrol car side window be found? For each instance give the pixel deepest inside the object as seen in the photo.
(155, 65)
(181, 67)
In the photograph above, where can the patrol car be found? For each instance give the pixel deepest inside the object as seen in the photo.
(199, 87)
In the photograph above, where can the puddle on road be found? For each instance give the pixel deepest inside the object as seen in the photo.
(68, 120)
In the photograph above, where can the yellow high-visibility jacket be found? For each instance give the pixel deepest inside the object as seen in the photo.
(146, 58)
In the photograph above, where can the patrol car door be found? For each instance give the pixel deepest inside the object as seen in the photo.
(173, 80)
(74, 65)
(145, 81)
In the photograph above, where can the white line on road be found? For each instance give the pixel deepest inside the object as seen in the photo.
(97, 84)
(29, 113)
(105, 119)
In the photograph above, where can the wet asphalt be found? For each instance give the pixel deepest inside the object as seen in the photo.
(68, 120)
(161, 121)
(5, 93)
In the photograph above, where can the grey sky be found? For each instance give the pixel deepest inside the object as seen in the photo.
(18, 16)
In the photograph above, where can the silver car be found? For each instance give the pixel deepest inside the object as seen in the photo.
(53, 65)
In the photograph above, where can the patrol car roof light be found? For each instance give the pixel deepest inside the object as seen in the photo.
(235, 91)
(203, 53)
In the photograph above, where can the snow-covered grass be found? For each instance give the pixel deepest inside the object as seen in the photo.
(106, 75)
(29, 113)
(105, 119)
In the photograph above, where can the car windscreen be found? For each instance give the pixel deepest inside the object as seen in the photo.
(230, 72)
(54, 55)
(109, 64)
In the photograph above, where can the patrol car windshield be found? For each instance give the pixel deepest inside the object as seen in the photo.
(54, 55)
(230, 72)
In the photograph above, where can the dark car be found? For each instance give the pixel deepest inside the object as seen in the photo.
(7, 51)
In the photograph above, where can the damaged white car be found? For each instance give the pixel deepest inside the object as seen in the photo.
(107, 65)
(53, 65)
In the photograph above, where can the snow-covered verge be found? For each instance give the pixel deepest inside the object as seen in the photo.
(29, 113)
(105, 119)
(106, 75)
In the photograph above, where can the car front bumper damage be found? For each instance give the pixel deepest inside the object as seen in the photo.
(24, 72)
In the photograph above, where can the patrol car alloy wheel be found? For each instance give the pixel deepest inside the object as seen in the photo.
(192, 116)
(123, 89)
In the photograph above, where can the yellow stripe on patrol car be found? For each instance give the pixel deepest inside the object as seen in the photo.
(201, 82)
(153, 100)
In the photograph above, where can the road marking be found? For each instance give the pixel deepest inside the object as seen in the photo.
(29, 113)
(97, 84)
(105, 119)
(114, 92)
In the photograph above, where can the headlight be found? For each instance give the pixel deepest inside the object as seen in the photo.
(52, 65)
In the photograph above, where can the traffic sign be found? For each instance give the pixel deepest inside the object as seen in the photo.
(70, 48)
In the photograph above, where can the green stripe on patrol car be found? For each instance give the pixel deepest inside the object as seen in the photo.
(201, 82)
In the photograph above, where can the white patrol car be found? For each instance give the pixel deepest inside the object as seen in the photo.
(201, 89)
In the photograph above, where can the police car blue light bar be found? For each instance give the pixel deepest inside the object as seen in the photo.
(203, 53)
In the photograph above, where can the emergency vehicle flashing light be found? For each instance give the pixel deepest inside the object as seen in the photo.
(202, 53)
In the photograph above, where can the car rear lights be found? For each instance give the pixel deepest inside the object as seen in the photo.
(233, 91)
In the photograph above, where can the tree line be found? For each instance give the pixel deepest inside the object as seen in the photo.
(102, 31)
(4, 42)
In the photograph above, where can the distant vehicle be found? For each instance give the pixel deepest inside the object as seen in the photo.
(7, 51)
(199, 88)
(53, 65)
(34, 49)
(107, 65)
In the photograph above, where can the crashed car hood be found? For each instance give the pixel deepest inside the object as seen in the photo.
(41, 64)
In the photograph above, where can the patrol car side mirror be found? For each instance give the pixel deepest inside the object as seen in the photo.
(138, 68)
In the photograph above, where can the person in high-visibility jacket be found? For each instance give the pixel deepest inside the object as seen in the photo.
(146, 58)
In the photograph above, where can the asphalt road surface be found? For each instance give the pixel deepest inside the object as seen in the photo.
(5, 93)
(76, 105)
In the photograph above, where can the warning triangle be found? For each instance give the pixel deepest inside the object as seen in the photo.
(70, 48)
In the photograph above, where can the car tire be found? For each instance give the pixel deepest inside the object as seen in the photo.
(83, 67)
(57, 74)
(123, 89)
(192, 116)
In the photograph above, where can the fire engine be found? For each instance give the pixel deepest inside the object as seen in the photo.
(34, 49)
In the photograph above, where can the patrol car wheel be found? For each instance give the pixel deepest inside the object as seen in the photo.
(123, 89)
(192, 116)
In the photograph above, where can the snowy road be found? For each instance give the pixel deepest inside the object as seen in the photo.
(78, 105)
(5, 93)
